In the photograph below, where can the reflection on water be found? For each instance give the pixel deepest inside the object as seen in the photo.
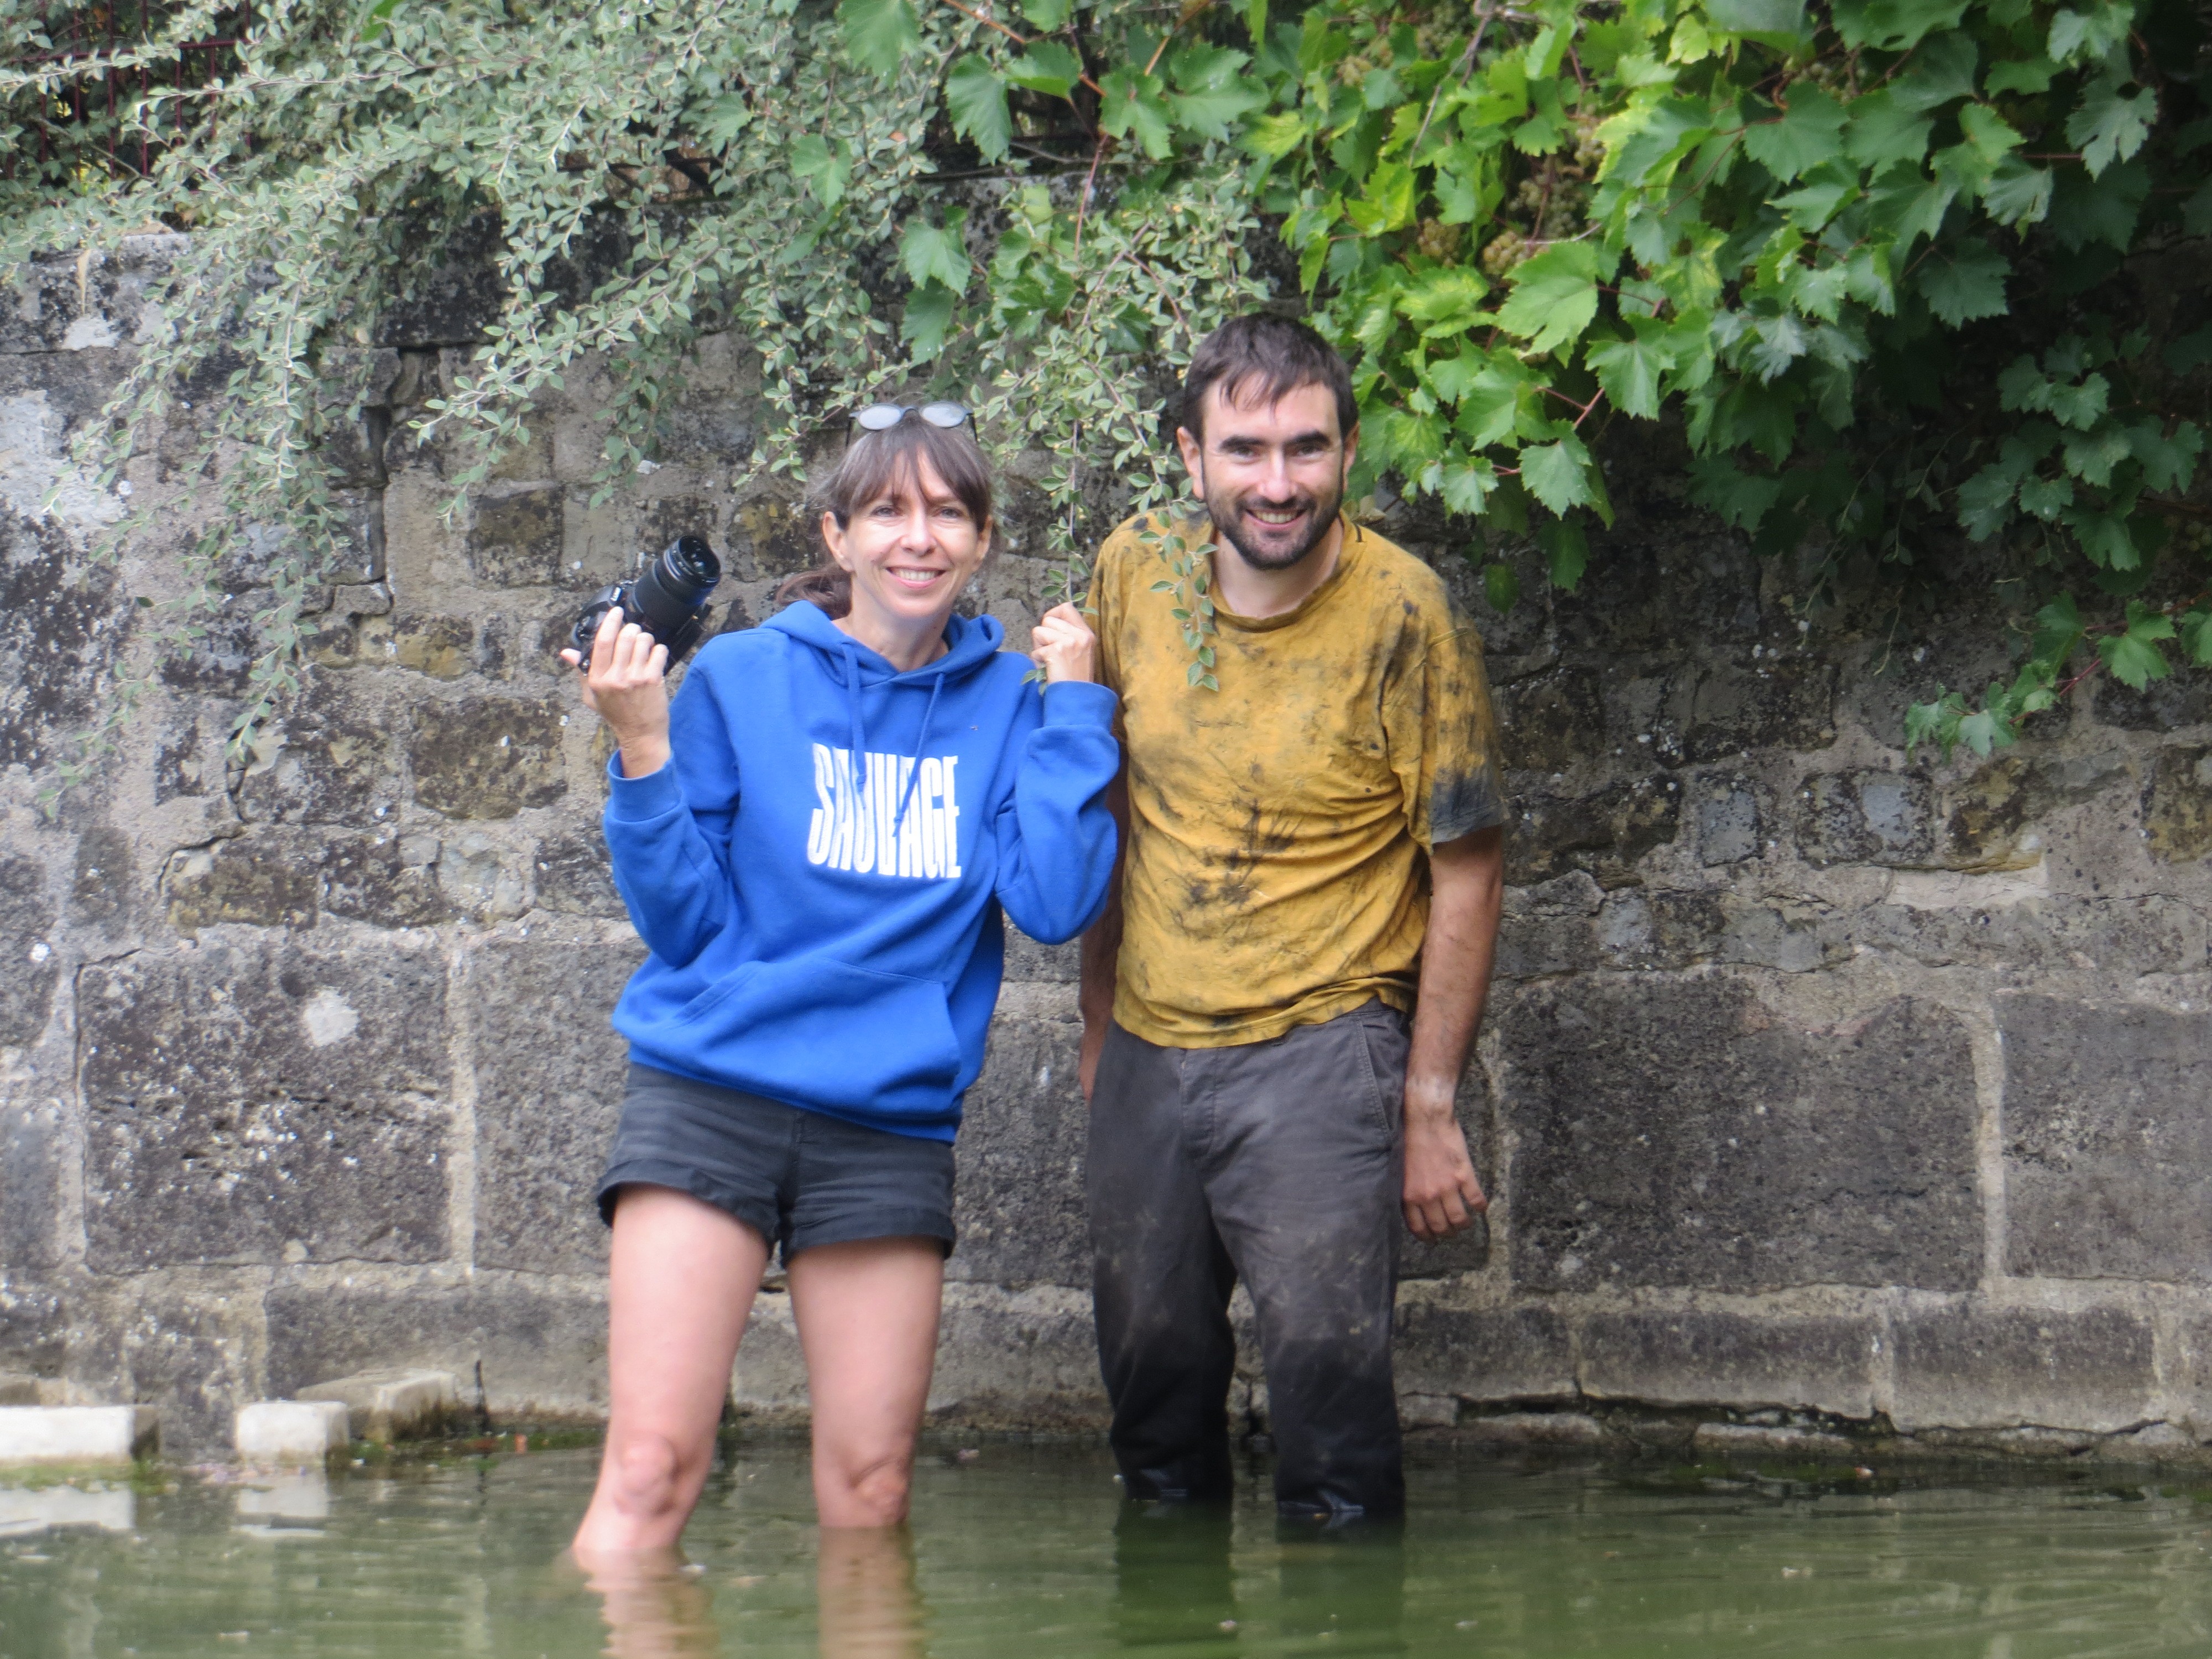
(656, 1605)
(1027, 1552)
(27, 1511)
(864, 1594)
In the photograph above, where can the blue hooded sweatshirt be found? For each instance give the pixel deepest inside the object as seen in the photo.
(818, 872)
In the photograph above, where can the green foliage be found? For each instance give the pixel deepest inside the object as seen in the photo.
(1875, 259)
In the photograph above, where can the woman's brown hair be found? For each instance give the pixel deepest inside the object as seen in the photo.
(871, 466)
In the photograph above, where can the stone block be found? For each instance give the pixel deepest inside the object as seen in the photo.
(1997, 815)
(1426, 1411)
(2131, 936)
(265, 880)
(768, 540)
(1996, 1368)
(1661, 928)
(1020, 1196)
(270, 1432)
(388, 881)
(36, 1143)
(483, 879)
(1549, 928)
(1604, 832)
(1027, 1359)
(1551, 720)
(537, 1349)
(575, 877)
(76, 1434)
(258, 1105)
(332, 758)
(1866, 816)
(1676, 1133)
(1513, 1430)
(34, 1324)
(56, 640)
(385, 1405)
(17, 1390)
(1753, 1440)
(27, 914)
(1027, 960)
(550, 1073)
(103, 881)
(443, 648)
(186, 1344)
(2108, 1139)
(1739, 707)
(769, 1375)
(452, 302)
(488, 757)
(1489, 1355)
(2187, 1372)
(1730, 828)
(2177, 805)
(1707, 1359)
(2166, 705)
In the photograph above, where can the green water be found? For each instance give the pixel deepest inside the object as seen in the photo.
(1020, 1550)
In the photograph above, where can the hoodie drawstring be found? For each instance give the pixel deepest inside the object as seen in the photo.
(852, 659)
(914, 765)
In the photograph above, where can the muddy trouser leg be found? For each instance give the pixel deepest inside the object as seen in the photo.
(1160, 1280)
(1304, 1175)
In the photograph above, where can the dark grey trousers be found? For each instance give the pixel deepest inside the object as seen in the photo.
(1281, 1164)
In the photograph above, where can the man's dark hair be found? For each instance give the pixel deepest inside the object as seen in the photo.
(1260, 359)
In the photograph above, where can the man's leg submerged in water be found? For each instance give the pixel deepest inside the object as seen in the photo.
(1160, 1280)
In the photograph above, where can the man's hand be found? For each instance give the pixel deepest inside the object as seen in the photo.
(627, 687)
(1441, 1195)
(1066, 649)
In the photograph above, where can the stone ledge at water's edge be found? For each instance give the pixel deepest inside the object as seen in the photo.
(1829, 1097)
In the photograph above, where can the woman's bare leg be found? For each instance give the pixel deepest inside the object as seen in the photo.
(868, 1320)
(679, 1288)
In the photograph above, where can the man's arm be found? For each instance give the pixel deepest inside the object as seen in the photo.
(1102, 944)
(1466, 886)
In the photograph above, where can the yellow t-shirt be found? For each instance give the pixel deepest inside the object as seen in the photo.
(1277, 869)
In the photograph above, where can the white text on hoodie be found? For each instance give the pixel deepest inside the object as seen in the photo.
(851, 828)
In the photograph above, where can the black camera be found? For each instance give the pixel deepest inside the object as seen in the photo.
(667, 600)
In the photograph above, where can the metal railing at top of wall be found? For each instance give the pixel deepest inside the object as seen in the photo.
(84, 121)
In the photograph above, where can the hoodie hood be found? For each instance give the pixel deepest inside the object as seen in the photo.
(969, 647)
(970, 644)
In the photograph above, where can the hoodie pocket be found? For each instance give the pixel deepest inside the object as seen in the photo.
(820, 1032)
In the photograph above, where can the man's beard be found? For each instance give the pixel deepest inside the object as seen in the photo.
(1223, 509)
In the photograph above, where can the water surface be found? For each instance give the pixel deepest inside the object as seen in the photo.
(1026, 1550)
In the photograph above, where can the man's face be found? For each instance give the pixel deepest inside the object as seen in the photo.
(1271, 474)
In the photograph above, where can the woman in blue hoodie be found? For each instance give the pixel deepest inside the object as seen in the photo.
(815, 840)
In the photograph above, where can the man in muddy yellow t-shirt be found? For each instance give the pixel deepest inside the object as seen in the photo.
(1277, 1004)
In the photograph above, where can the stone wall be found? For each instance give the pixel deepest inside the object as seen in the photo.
(1823, 1092)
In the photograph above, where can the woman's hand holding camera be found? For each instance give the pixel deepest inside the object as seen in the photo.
(1065, 647)
(627, 688)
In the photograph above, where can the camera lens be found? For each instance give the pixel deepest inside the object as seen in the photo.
(674, 586)
(689, 558)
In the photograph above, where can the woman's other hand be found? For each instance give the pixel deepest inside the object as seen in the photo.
(1065, 647)
(627, 687)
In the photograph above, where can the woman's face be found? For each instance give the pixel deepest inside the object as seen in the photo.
(909, 552)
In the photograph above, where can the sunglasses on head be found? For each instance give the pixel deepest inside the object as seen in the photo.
(882, 417)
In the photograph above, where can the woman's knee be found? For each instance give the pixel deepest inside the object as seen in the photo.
(649, 1472)
(871, 1491)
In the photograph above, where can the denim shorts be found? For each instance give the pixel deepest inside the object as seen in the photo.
(798, 1178)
